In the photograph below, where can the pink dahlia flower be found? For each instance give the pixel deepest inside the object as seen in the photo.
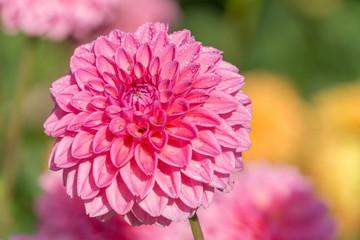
(267, 203)
(56, 19)
(148, 125)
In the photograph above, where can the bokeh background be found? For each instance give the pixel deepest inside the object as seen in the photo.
(301, 61)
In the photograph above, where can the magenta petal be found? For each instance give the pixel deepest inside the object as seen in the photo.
(145, 158)
(144, 33)
(130, 44)
(105, 47)
(239, 165)
(61, 84)
(178, 107)
(191, 192)
(83, 75)
(97, 206)
(244, 137)
(197, 96)
(189, 72)
(155, 202)
(121, 151)
(99, 102)
(154, 66)
(82, 145)
(220, 180)
(136, 180)
(208, 61)
(119, 196)
(169, 179)
(208, 196)
(95, 119)
(163, 222)
(86, 187)
(206, 144)
(160, 41)
(188, 52)
(231, 81)
(70, 181)
(221, 102)
(182, 87)
(180, 37)
(182, 129)
(158, 139)
(104, 64)
(81, 101)
(170, 70)
(167, 54)
(102, 140)
(144, 55)
(61, 126)
(63, 98)
(225, 162)
(132, 220)
(203, 117)
(143, 216)
(226, 135)
(51, 161)
(53, 118)
(77, 121)
(124, 60)
(62, 155)
(201, 171)
(177, 211)
(206, 80)
(103, 170)
(117, 126)
(176, 153)
(96, 85)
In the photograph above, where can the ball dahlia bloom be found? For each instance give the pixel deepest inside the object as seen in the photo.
(148, 125)
(56, 19)
(268, 202)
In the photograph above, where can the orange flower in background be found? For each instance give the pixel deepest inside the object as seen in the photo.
(335, 152)
(278, 118)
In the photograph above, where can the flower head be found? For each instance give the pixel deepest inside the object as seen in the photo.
(56, 19)
(148, 125)
(268, 202)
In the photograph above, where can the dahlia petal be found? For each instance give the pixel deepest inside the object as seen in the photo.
(224, 162)
(61, 126)
(51, 161)
(61, 84)
(63, 98)
(130, 44)
(191, 192)
(170, 70)
(77, 121)
(242, 97)
(145, 158)
(83, 75)
(138, 131)
(206, 49)
(104, 47)
(221, 102)
(226, 136)
(118, 126)
(189, 72)
(144, 33)
(121, 151)
(162, 222)
(96, 85)
(159, 119)
(182, 129)
(206, 80)
(182, 87)
(56, 114)
(98, 206)
(203, 117)
(176, 153)
(239, 165)
(119, 197)
(123, 60)
(94, 119)
(169, 179)
(103, 171)
(137, 182)
(208, 61)
(167, 54)
(143, 216)
(70, 181)
(188, 53)
(201, 171)
(113, 111)
(227, 66)
(244, 137)
(104, 64)
(62, 156)
(177, 211)
(240, 116)
(102, 140)
(132, 220)
(197, 97)
(230, 183)
(220, 180)
(155, 202)
(82, 145)
(154, 66)
(99, 102)
(138, 70)
(158, 139)
(81, 101)
(208, 196)
(144, 55)
(178, 107)
(206, 144)
(86, 187)
(231, 81)
(110, 89)
(159, 42)
(82, 60)
(180, 37)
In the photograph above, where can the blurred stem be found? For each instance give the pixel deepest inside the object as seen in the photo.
(195, 227)
(15, 121)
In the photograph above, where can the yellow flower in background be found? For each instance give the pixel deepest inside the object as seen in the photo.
(278, 118)
(335, 152)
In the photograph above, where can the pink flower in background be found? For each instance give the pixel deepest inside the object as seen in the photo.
(57, 19)
(148, 125)
(268, 202)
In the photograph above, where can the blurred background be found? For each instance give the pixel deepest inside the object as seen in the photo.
(301, 61)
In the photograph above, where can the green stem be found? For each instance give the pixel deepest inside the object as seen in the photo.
(195, 227)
